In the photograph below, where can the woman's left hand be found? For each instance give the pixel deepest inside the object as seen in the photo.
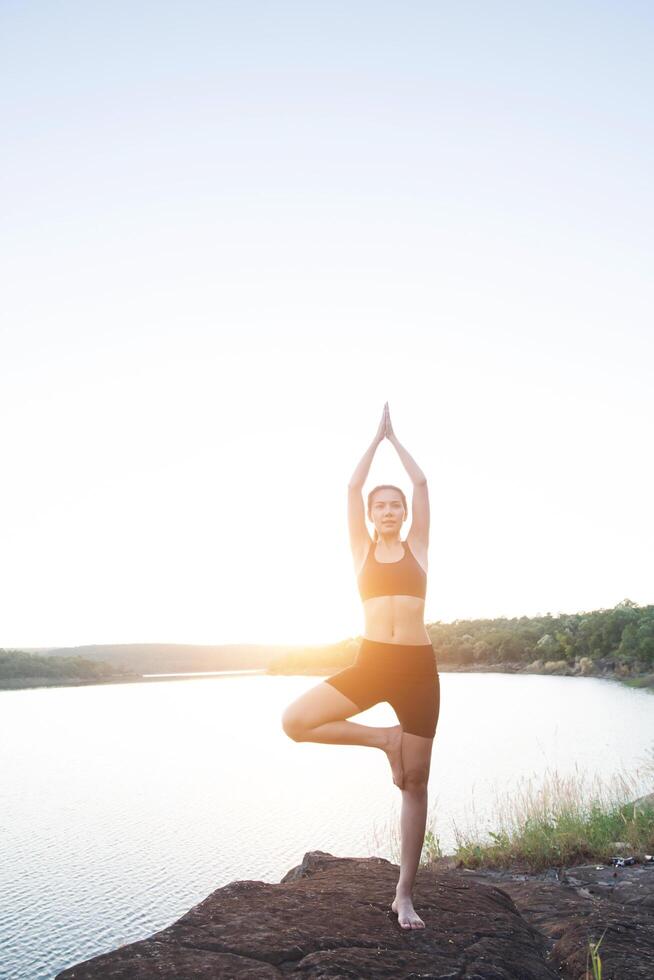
(390, 434)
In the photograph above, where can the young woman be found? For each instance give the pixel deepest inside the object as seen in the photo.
(395, 662)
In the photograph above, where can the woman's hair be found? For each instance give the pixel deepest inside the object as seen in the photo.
(385, 486)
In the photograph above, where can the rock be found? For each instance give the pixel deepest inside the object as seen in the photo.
(555, 666)
(535, 667)
(330, 917)
(584, 902)
(586, 666)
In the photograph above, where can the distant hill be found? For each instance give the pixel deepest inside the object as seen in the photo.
(165, 658)
(22, 668)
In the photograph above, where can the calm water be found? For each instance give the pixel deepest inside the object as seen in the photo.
(121, 806)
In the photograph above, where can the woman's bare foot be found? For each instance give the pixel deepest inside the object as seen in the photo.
(407, 916)
(393, 749)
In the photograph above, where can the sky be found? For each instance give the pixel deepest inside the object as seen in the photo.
(231, 232)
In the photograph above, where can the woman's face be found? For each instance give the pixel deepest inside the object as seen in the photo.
(387, 511)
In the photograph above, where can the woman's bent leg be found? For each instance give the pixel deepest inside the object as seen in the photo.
(319, 715)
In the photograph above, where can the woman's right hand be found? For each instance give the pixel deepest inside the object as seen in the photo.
(381, 431)
(360, 474)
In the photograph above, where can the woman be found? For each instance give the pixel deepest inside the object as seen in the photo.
(395, 662)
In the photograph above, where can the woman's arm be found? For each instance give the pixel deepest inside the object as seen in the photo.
(409, 463)
(420, 502)
(358, 478)
(359, 536)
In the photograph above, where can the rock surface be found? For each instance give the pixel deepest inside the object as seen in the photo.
(330, 917)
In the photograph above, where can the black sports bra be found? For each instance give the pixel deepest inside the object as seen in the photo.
(403, 577)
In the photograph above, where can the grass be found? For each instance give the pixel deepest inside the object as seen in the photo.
(594, 956)
(561, 822)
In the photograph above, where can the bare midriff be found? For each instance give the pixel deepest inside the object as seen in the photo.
(395, 619)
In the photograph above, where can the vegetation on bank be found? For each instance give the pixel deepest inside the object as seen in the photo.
(18, 666)
(623, 635)
(559, 823)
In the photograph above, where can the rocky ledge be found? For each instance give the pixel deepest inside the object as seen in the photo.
(330, 917)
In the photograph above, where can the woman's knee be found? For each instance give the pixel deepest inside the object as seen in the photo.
(416, 778)
(317, 706)
(293, 723)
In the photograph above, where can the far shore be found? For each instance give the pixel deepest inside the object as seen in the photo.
(641, 680)
(22, 683)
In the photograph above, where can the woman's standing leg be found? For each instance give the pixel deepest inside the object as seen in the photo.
(416, 761)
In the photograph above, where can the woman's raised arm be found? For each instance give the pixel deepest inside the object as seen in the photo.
(420, 503)
(359, 536)
(358, 478)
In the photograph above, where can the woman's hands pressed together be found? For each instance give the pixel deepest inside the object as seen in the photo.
(380, 435)
(385, 429)
(390, 434)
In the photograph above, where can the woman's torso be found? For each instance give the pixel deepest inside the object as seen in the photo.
(395, 618)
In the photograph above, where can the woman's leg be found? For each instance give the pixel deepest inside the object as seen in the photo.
(319, 715)
(416, 761)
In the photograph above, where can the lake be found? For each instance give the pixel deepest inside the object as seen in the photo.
(123, 805)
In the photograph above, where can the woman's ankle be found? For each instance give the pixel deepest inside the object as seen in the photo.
(402, 891)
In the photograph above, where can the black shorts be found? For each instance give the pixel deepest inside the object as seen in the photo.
(406, 676)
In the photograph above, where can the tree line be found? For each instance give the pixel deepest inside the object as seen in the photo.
(624, 634)
(19, 663)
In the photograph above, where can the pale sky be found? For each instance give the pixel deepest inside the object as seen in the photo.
(230, 232)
